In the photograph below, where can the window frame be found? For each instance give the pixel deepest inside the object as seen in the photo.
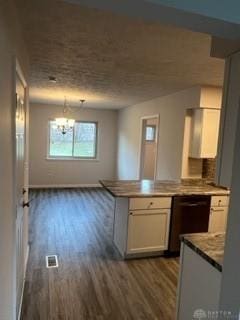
(154, 127)
(72, 157)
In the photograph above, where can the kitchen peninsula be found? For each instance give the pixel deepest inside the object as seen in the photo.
(145, 212)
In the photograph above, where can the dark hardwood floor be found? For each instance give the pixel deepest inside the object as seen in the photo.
(92, 282)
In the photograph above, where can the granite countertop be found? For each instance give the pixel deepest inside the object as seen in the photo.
(208, 245)
(150, 188)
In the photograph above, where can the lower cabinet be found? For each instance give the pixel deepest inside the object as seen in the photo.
(218, 219)
(141, 225)
(218, 214)
(148, 230)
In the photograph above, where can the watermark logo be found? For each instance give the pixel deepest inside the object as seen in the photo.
(199, 314)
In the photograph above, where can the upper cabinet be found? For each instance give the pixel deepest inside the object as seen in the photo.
(204, 133)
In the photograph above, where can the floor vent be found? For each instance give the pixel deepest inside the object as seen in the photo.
(52, 261)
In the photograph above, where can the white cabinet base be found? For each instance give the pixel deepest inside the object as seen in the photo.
(199, 285)
(141, 233)
(120, 227)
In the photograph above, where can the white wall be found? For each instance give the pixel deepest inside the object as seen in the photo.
(228, 120)
(71, 172)
(172, 111)
(173, 162)
(229, 175)
(11, 45)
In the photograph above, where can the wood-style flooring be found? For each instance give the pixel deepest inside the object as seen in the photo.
(92, 282)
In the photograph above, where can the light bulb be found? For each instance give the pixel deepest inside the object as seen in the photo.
(70, 122)
(61, 121)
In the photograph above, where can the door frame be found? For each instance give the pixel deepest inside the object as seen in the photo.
(19, 72)
(141, 149)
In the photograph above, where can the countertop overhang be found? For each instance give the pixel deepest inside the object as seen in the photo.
(160, 188)
(210, 246)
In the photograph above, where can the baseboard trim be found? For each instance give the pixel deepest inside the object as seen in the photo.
(63, 186)
(26, 261)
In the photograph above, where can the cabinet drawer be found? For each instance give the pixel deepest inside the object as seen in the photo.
(219, 201)
(150, 203)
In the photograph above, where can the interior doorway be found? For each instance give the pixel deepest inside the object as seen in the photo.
(149, 147)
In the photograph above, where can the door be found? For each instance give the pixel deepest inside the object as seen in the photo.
(148, 230)
(20, 158)
(149, 148)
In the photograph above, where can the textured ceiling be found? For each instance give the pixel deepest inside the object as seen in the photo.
(112, 61)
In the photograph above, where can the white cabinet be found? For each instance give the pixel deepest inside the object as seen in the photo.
(148, 230)
(218, 219)
(204, 133)
(219, 201)
(218, 214)
(141, 225)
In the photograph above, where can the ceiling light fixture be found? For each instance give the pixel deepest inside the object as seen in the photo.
(82, 102)
(52, 79)
(64, 124)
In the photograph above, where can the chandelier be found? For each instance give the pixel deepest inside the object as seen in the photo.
(65, 124)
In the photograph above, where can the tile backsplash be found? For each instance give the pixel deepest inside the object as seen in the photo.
(209, 169)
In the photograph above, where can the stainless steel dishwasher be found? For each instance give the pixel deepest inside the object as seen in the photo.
(190, 214)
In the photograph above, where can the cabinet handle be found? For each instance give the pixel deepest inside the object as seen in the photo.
(216, 210)
(150, 204)
(148, 213)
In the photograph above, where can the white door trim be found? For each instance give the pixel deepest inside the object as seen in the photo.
(19, 72)
(140, 162)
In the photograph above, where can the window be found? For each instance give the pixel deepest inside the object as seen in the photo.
(150, 133)
(81, 142)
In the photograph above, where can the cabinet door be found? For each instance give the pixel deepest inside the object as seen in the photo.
(218, 219)
(204, 132)
(196, 133)
(148, 231)
(210, 129)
